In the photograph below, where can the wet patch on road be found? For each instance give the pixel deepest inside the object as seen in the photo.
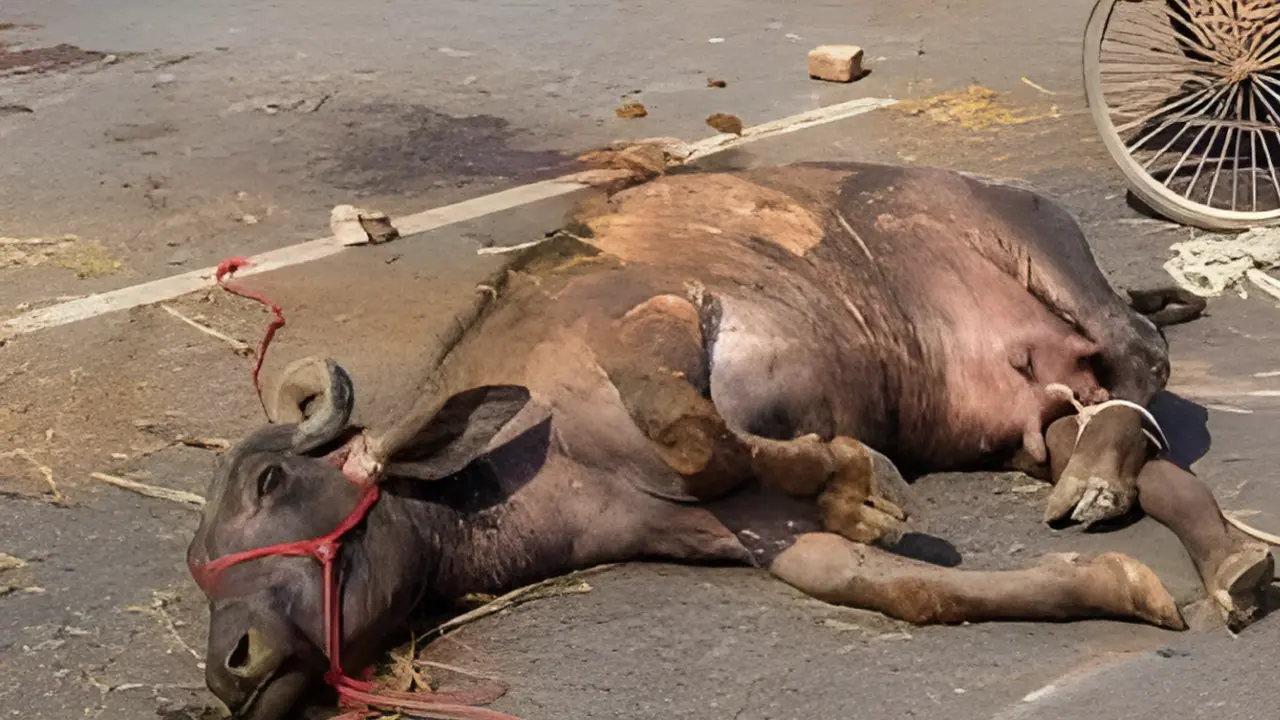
(395, 149)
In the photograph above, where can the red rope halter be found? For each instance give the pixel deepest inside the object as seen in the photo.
(352, 692)
(362, 695)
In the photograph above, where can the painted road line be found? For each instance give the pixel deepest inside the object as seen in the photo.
(168, 288)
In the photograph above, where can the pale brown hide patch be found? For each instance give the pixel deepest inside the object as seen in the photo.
(687, 214)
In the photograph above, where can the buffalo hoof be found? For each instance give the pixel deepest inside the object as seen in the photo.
(1100, 479)
(1145, 596)
(1088, 500)
(1239, 587)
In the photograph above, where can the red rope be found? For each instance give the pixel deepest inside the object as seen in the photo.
(227, 269)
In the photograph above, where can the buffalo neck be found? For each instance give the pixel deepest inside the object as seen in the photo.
(485, 529)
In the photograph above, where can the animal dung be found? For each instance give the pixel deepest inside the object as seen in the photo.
(725, 123)
(714, 83)
(631, 110)
(835, 63)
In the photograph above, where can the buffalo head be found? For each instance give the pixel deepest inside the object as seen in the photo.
(283, 483)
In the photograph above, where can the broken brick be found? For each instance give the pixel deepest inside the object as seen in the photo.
(835, 63)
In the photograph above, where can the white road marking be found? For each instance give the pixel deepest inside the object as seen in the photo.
(177, 285)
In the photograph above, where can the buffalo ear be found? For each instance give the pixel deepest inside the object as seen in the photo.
(464, 429)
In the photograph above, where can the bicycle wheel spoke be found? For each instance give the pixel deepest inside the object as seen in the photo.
(1213, 138)
(1271, 168)
(1173, 173)
(1204, 44)
(1190, 111)
(1163, 109)
(1253, 168)
(1253, 153)
(1217, 171)
(1235, 153)
(1269, 47)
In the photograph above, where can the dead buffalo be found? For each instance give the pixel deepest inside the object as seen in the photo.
(716, 367)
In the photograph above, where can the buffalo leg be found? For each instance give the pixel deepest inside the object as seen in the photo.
(661, 377)
(1058, 587)
(1096, 475)
(1234, 569)
(841, 474)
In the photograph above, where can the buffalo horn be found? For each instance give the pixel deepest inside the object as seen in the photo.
(318, 395)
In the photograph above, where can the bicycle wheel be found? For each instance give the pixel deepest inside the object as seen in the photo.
(1186, 97)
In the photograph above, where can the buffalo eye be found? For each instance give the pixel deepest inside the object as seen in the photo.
(270, 479)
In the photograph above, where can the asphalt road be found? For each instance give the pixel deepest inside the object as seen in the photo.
(231, 128)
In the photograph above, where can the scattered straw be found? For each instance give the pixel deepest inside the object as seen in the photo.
(44, 470)
(455, 669)
(974, 108)
(564, 585)
(1027, 81)
(503, 250)
(181, 497)
(9, 562)
(239, 347)
(1264, 536)
(87, 260)
(204, 443)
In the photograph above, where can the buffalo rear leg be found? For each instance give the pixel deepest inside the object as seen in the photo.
(659, 369)
(1236, 571)
(841, 474)
(1058, 587)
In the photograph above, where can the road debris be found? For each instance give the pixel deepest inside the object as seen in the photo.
(505, 249)
(626, 163)
(86, 258)
(714, 83)
(45, 471)
(725, 123)
(1027, 81)
(273, 105)
(211, 443)
(9, 562)
(836, 63)
(631, 110)
(974, 108)
(1264, 282)
(181, 497)
(1210, 265)
(356, 226)
(240, 348)
(15, 110)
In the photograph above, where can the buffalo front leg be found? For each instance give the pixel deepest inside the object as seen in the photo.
(1235, 570)
(1057, 587)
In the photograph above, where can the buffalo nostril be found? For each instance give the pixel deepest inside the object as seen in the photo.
(251, 656)
(238, 658)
